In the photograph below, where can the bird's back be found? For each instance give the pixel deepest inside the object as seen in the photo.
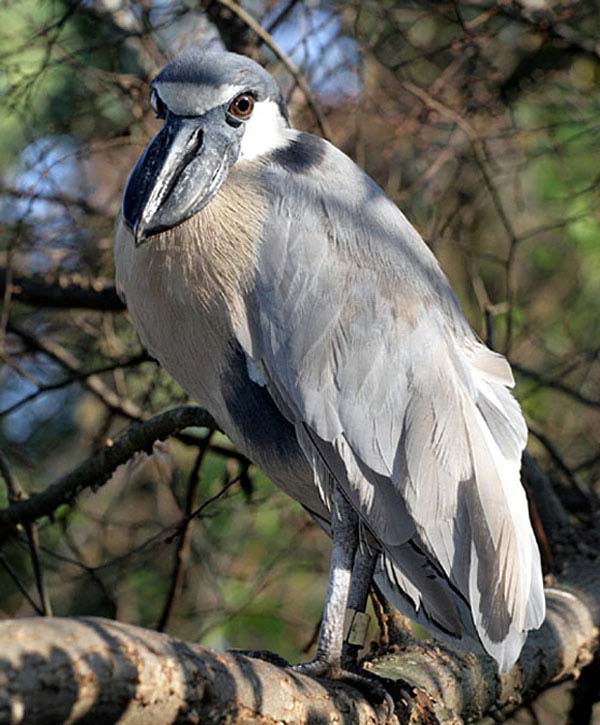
(361, 340)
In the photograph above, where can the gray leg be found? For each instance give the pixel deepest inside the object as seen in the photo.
(344, 524)
(362, 575)
(328, 661)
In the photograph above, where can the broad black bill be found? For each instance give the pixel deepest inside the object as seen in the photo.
(179, 172)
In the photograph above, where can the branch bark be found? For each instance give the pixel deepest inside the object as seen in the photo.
(60, 670)
(98, 469)
(456, 689)
(63, 669)
(64, 292)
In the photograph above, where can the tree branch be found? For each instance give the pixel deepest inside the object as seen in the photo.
(93, 383)
(544, 21)
(15, 494)
(468, 688)
(98, 469)
(556, 384)
(63, 291)
(78, 377)
(68, 668)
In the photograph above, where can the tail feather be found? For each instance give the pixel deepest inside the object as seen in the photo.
(416, 588)
(459, 473)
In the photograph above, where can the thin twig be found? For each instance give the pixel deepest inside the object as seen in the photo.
(69, 362)
(282, 14)
(182, 547)
(293, 69)
(544, 21)
(97, 470)
(558, 460)
(15, 577)
(16, 494)
(479, 156)
(556, 385)
(38, 572)
(77, 378)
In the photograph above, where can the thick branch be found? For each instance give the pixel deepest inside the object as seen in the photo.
(52, 670)
(97, 470)
(457, 689)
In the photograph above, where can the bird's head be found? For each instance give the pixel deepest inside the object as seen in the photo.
(217, 108)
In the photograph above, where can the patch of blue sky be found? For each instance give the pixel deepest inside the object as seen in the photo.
(312, 36)
(19, 426)
(48, 174)
(49, 168)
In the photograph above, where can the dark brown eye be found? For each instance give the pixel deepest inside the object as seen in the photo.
(242, 106)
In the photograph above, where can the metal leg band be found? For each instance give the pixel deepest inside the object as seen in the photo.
(356, 627)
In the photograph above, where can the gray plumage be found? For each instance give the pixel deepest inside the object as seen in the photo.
(307, 314)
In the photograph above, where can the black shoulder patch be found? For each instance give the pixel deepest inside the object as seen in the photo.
(301, 155)
(255, 413)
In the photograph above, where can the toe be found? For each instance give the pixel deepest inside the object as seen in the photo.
(318, 668)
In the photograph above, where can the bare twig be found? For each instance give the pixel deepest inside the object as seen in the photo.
(558, 460)
(281, 15)
(76, 378)
(69, 362)
(182, 546)
(556, 385)
(16, 494)
(292, 68)
(64, 291)
(544, 21)
(20, 586)
(479, 156)
(97, 470)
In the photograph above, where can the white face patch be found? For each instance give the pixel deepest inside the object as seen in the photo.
(265, 131)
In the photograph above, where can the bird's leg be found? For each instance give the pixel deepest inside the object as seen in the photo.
(344, 525)
(362, 575)
(344, 556)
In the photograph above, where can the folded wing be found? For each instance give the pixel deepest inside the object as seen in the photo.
(363, 345)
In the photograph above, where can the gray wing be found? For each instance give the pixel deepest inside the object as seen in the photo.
(354, 330)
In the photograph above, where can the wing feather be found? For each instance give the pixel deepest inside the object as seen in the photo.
(366, 348)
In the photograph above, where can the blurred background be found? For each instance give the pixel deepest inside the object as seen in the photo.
(480, 119)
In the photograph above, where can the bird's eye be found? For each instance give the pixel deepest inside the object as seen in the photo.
(157, 104)
(242, 106)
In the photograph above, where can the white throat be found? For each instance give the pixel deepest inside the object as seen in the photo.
(265, 131)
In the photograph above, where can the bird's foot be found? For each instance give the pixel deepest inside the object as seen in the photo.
(264, 655)
(369, 685)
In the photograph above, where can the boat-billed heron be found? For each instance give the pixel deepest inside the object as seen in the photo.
(288, 295)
